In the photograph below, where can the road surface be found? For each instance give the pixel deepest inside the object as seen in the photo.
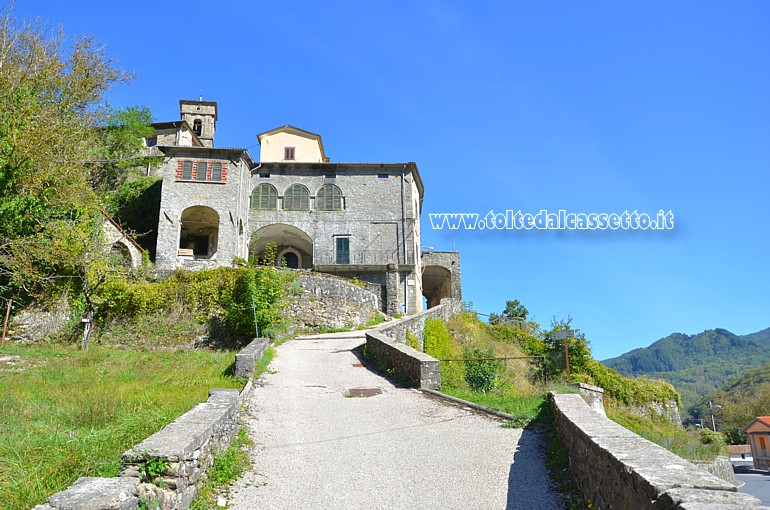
(317, 447)
(758, 485)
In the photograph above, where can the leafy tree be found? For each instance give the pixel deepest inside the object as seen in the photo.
(121, 149)
(54, 124)
(135, 204)
(578, 348)
(514, 312)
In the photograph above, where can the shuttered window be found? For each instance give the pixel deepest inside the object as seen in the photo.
(202, 171)
(264, 197)
(342, 250)
(187, 167)
(296, 198)
(216, 171)
(201, 168)
(328, 198)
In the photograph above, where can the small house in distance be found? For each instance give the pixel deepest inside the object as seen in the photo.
(740, 455)
(759, 440)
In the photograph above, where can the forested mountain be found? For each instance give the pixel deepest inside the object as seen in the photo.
(739, 402)
(697, 364)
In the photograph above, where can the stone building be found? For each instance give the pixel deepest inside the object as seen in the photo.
(357, 220)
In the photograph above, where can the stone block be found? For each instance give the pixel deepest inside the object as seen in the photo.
(97, 494)
(248, 356)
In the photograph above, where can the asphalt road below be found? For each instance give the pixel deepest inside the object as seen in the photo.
(317, 447)
(758, 485)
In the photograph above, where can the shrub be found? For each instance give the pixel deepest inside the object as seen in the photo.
(481, 372)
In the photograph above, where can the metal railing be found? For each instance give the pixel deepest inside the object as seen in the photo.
(365, 257)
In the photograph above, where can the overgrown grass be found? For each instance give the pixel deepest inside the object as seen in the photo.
(262, 363)
(227, 467)
(154, 330)
(377, 319)
(669, 436)
(66, 413)
(524, 408)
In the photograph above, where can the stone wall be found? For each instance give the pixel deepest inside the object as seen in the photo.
(331, 302)
(247, 358)
(187, 447)
(721, 466)
(420, 369)
(416, 323)
(615, 468)
(33, 324)
(593, 395)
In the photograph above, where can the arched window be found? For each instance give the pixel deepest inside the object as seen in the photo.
(197, 127)
(296, 198)
(328, 198)
(264, 197)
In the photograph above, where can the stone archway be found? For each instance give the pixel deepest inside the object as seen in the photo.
(436, 284)
(441, 276)
(290, 242)
(199, 232)
(120, 255)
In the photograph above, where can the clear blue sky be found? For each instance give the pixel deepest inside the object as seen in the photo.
(584, 106)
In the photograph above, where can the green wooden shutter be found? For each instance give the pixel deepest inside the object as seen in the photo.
(343, 250)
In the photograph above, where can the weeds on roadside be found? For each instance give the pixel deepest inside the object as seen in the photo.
(227, 467)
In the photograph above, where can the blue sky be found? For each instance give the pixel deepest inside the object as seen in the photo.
(583, 106)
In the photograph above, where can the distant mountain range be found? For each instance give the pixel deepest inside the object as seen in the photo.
(697, 364)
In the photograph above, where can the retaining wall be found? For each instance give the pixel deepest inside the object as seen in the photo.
(416, 323)
(331, 302)
(616, 469)
(422, 370)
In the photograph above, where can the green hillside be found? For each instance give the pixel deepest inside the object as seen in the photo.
(697, 364)
(741, 400)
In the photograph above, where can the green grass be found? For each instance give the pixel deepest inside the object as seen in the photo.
(377, 319)
(667, 435)
(261, 365)
(227, 467)
(524, 408)
(65, 413)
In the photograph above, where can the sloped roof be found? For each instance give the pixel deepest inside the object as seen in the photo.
(759, 420)
(738, 449)
(287, 128)
(114, 223)
(175, 124)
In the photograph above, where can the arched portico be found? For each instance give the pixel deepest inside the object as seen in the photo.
(293, 245)
(441, 277)
(199, 231)
(436, 284)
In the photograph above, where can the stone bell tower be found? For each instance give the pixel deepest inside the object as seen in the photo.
(202, 117)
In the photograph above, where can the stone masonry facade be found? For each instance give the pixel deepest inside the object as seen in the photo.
(355, 220)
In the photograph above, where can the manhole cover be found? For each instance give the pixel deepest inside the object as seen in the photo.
(364, 392)
(358, 365)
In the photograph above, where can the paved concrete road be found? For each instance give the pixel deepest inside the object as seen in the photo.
(317, 448)
(756, 484)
